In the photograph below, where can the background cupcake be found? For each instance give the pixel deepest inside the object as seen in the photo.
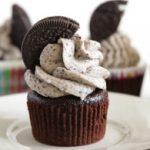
(11, 65)
(120, 57)
(69, 101)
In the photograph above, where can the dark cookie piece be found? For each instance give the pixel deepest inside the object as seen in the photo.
(19, 26)
(48, 30)
(106, 19)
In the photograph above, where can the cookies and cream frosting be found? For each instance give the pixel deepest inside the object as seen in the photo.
(8, 51)
(118, 52)
(69, 67)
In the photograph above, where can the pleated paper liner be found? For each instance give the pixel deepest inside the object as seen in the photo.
(12, 77)
(127, 80)
(66, 121)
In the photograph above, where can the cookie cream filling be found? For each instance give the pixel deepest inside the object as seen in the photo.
(71, 67)
(8, 51)
(118, 52)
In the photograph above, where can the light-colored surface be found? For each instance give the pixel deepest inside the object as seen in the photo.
(11, 64)
(145, 93)
(135, 22)
(130, 113)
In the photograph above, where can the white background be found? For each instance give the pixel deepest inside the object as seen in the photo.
(136, 21)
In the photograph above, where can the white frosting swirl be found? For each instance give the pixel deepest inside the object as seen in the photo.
(8, 51)
(118, 52)
(70, 67)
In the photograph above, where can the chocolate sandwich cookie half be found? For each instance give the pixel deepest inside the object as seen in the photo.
(46, 31)
(20, 24)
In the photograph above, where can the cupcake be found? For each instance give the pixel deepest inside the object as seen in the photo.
(11, 66)
(120, 57)
(68, 100)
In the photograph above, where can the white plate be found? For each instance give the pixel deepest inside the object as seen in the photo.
(19, 133)
(128, 125)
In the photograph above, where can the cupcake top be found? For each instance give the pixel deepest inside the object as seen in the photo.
(8, 51)
(12, 33)
(67, 64)
(116, 47)
(118, 52)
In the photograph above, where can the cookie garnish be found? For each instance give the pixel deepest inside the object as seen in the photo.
(19, 26)
(105, 19)
(46, 31)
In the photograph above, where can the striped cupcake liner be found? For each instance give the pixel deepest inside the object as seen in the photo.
(12, 80)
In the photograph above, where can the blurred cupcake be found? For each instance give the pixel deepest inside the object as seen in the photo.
(11, 65)
(120, 57)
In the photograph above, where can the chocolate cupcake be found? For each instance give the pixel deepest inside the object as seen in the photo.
(11, 66)
(68, 101)
(120, 57)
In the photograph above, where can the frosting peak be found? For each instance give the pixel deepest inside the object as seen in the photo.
(118, 52)
(72, 66)
(8, 51)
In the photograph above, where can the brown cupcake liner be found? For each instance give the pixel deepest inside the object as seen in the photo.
(68, 125)
(127, 80)
(127, 85)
